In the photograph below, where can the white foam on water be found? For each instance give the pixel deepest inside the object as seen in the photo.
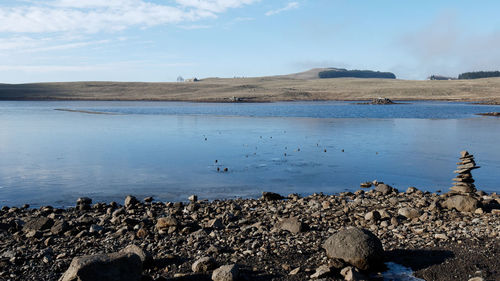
(399, 272)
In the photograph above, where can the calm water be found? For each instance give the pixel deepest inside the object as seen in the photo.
(168, 150)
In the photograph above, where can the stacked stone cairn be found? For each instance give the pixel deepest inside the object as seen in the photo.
(463, 183)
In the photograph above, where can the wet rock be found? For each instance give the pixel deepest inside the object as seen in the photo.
(148, 199)
(358, 247)
(461, 203)
(193, 198)
(366, 184)
(271, 196)
(111, 267)
(226, 273)
(292, 225)
(204, 264)
(381, 101)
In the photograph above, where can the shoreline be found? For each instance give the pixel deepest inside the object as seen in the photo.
(269, 238)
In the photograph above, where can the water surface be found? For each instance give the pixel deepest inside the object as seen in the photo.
(168, 150)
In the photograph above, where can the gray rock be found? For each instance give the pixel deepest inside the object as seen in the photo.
(130, 201)
(204, 264)
(373, 215)
(215, 224)
(409, 213)
(95, 228)
(226, 273)
(145, 256)
(352, 274)
(112, 267)
(384, 189)
(83, 201)
(38, 224)
(59, 227)
(358, 247)
(292, 225)
(270, 196)
(461, 203)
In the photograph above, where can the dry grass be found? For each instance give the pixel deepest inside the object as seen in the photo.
(264, 89)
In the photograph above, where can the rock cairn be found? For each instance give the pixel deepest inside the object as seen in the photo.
(463, 183)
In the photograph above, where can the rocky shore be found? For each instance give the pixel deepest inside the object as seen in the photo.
(271, 238)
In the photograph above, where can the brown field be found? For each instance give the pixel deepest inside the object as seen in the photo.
(295, 87)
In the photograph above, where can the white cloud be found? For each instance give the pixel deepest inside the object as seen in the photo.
(92, 16)
(215, 6)
(289, 6)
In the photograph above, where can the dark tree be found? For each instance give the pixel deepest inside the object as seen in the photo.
(344, 73)
(479, 74)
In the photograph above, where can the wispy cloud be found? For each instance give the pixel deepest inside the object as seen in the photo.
(289, 6)
(444, 46)
(195, 26)
(92, 16)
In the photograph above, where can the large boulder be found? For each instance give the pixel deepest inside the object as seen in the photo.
(461, 203)
(358, 247)
(119, 266)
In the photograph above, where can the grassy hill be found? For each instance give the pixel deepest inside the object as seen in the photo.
(293, 87)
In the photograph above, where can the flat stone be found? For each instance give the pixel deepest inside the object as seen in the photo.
(322, 271)
(110, 267)
(226, 273)
(38, 224)
(292, 225)
(166, 222)
(409, 213)
(463, 189)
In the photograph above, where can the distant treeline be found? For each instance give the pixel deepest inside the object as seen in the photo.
(479, 74)
(344, 73)
(440, 77)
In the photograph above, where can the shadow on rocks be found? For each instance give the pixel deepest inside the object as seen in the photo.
(418, 259)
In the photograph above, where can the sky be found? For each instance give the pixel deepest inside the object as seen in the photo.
(159, 40)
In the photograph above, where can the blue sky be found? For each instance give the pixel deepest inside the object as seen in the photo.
(158, 40)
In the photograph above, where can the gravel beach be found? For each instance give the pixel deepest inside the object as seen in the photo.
(271, 238)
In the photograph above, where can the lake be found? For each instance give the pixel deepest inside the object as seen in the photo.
(170, 150)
